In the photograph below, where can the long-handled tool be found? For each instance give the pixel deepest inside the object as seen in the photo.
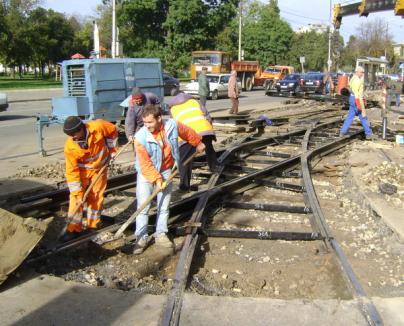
(93, 182)
(150, 198)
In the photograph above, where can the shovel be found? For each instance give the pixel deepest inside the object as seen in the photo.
(150, 198)
(97, 177)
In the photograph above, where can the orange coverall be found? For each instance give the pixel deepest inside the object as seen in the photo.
(82, 166)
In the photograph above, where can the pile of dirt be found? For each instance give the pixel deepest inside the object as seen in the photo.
(48, 171)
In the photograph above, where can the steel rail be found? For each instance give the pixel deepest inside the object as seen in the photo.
(368, 309)
(171, 313)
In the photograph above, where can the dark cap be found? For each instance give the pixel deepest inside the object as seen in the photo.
(72, 125)
(204, 68)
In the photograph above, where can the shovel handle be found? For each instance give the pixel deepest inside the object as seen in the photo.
(94, 181)
(149, 199)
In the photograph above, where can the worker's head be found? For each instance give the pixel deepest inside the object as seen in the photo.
(138, 97)
(74, 127)
(204, 70)
(152, 117)
(359, 71)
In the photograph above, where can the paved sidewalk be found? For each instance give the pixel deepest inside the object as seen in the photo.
(47, 300)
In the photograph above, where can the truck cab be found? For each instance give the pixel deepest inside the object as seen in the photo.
(272, 74)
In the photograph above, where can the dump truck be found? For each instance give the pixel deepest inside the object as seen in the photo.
(251, 74)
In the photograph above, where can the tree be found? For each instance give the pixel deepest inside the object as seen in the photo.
(266, 37)
(311, 45)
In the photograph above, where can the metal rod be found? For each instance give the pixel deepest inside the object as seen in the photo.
(272, 207)
(259, 235)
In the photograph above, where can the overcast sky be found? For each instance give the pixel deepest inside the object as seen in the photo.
(297, 12)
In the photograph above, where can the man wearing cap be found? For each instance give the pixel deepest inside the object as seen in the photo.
(87, 149)
(137, 101)
(357, 105)
(203, 87)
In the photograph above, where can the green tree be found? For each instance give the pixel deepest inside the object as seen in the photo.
(266, 37)
(50, 37)
(311, 45)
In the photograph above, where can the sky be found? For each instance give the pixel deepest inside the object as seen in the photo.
(297, 12)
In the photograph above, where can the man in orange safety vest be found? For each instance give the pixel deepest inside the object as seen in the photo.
(88, 148)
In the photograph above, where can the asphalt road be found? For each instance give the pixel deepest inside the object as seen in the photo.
(18, 137)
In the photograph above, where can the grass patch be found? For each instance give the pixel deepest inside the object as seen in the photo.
(27, 82)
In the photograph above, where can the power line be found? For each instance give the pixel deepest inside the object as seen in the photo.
(297, 15)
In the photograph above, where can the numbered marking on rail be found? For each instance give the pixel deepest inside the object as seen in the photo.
(264, 235)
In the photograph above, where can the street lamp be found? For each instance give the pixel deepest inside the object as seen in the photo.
(329, 61)
(113, 45)
(239, 30)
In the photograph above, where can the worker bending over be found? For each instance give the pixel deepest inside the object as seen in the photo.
(185, 109)
(357, 105)
(157, 151)
(88, 148)
(136, 103)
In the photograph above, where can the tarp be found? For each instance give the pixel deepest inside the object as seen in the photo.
(77, 56)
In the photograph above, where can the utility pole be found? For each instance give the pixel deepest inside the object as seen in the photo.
(329, 62)
(113, 45)
(239, 30)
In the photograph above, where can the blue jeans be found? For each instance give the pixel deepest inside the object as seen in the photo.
(353, 111)
(143, 190)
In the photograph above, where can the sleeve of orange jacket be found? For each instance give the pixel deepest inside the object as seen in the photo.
(147, 167)
(110, 133)
(188, 134)
(73, 173)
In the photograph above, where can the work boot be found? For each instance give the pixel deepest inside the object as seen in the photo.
(68, 236)
(163, 241)
(231, 112)
(140, 245)
(371, 137)
(341, 134)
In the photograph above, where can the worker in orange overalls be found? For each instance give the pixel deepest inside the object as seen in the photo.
(89, 147)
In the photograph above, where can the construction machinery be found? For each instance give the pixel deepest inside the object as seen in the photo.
(94, 89)
(364, 8)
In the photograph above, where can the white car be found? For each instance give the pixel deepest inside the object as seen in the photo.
(3, 102)
(218, 85)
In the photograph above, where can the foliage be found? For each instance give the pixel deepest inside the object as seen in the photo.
(31, 36)
(311, 45)
(266, 37)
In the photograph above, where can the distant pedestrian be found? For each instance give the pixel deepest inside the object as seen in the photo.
(233, 92)
(357, 105)
(396, 89)
(203, 86)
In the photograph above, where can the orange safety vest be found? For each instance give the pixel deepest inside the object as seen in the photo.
(84, 163)
(190, 114)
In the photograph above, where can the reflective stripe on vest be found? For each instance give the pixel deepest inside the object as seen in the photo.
(88, 166)
(190, 114)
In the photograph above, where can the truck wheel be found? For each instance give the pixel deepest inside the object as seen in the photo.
(268, 85)
(215, 95)
(248, 85)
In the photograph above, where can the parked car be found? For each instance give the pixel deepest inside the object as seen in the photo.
(3, 102)
(171, 85)
(218, 85)
(290, 84)
(313, 83)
